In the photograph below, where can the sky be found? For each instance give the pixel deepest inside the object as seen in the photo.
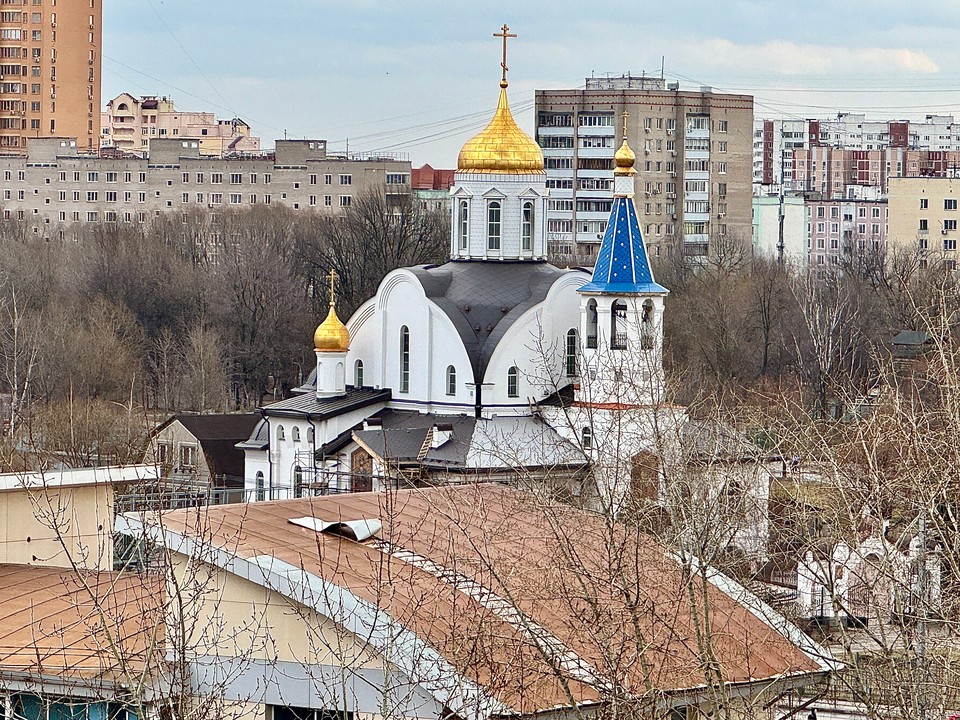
(419, 77)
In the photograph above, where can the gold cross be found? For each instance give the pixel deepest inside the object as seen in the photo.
(504, 33)
(333, 278)
(625, 116)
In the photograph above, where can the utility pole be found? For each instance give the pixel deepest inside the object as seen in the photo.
(780, 241)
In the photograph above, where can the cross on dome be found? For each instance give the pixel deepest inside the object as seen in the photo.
(504, 33)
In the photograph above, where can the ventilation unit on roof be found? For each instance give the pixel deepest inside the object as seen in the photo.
(358, 530)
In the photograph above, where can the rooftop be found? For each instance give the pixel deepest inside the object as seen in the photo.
(492, 565)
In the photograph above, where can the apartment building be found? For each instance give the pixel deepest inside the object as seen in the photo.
(129, 123)
(49, 71)
(838, 228)
(694, 162)
(791, 152)
(780, 229)
(924, 214)
(55, 187)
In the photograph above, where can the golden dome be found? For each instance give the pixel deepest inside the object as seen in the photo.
(625, 158)
(501, 147)
(331, 335)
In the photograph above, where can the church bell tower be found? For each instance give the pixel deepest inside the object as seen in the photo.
(621, 308)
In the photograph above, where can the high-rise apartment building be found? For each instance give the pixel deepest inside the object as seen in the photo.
(49, 71)
(694, 162)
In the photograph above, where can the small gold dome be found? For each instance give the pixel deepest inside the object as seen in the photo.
(625, 159)
(501, 147)
(331, 335)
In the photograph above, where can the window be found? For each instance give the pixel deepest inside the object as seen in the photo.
(513, 382)
(722, 125)
(950, 204)
(493, 225)
(526, 227)
(188, 456)
(297, 482)
(345, 200)
(586, 438)
(358, 373)
(296, 434)
(924, 203)
(404, 359)
(618, 318)
(261, 487)
(346, 179)
(451, 380)
(464, 224)
(570, 354)
(236, 178)
(281, 436)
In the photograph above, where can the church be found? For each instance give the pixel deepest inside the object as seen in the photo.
(495, 365)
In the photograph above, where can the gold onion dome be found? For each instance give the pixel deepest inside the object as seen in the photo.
(501, 147)
(331, 335)
(625, 159)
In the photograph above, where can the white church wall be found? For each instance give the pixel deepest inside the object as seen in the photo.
(365, 345)
(435, 345)
(535, 345)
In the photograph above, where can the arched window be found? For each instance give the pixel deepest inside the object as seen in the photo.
(122, 106)
(493, 225)
(570, 354)
(464, 221)
(592, 323)
(618, 325)
(297, 482)
(281, 436)
(513, 382)
(646, 325)
(296, 434)
(526, 227)
(404, 359)
(358, 373)
(586, 438)
(311, 435)
(261, 487)
(451, 380)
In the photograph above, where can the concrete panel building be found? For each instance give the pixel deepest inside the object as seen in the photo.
(791, 245)
(50, 58)
(838, 228)
(694, 162)
(924, 214)
(55, 187)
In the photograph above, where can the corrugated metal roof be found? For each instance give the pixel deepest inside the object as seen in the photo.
(54, 622)
(613, 600)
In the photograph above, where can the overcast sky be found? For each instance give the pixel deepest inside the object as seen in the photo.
(420, 76)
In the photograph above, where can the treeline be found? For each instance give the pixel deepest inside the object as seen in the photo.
(738, 326)
(194, 312)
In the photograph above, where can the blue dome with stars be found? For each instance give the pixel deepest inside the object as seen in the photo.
(622, 263)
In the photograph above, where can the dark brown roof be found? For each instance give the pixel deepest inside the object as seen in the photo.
(55, 622)
(489, 577)
(218, 436)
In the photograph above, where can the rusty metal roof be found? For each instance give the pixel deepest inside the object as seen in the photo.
(55, 622)
(535, 602)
